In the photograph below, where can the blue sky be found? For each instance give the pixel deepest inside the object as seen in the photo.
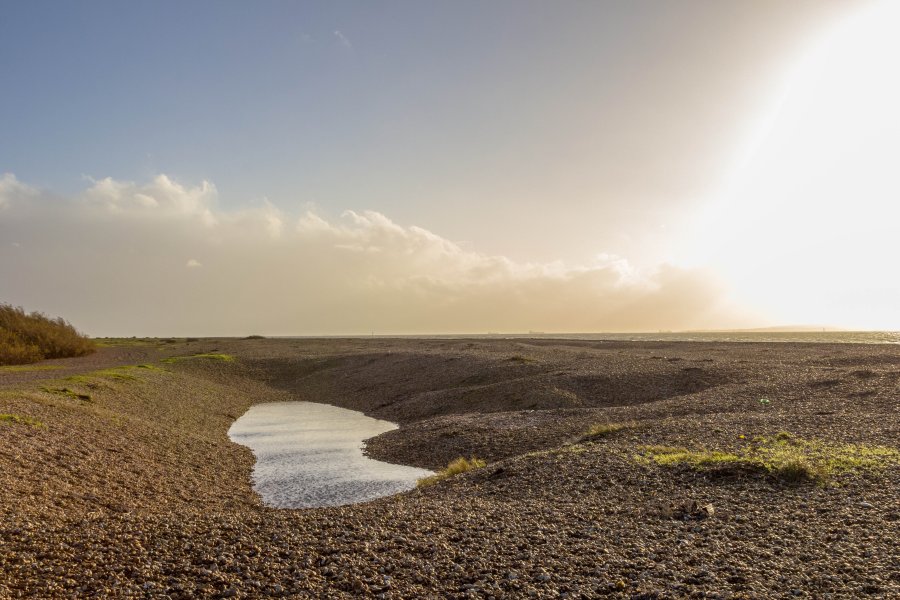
(425, 111)
(563, 134)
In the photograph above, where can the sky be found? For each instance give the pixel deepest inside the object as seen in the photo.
(227, 168)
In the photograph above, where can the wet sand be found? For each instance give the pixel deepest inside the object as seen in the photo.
(138, 492)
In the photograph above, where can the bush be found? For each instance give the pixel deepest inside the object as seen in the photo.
(16, 351)
(27, 338)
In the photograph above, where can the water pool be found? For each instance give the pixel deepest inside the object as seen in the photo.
(310, 454)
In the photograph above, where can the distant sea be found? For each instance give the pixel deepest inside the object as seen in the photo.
(827, 337)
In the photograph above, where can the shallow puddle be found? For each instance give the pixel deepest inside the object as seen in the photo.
(310, 454)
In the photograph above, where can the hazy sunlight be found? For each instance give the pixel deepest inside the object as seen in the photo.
(809, 226)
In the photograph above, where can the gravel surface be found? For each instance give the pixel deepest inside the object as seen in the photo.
(130, 486)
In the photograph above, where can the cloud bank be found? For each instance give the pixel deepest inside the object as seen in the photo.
(160, 258)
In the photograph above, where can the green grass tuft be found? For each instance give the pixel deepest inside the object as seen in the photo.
(210, 356)
(460, 465)
(126, 342)
(116, 374)
(10, 419)
(601, 430)
(783, 456)
(25, 368)
(124, 373)
(68, 393)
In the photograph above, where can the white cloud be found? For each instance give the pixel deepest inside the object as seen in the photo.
(13, 189)
(162, 196)
(359, 273)
(345, 42)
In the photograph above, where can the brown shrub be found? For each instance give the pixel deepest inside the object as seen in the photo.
(16, 351)
(26, 338)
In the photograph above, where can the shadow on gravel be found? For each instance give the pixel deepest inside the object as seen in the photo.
(640, 388)
(408, 387)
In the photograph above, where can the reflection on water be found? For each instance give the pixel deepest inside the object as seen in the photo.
(310, 454)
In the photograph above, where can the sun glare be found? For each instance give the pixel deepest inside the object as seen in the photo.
(809, 225)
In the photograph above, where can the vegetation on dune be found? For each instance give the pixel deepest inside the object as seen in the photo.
(460, 465)
(27, 368)
(124, 373)
(11, 419)
(117, 373)
(27, 338)
(601, 430)
(68, 393)
(782, 456)
(128, 342)
(210, 356)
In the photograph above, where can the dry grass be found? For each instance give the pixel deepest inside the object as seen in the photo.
(460, 465)
(27, 338)
(601, 430)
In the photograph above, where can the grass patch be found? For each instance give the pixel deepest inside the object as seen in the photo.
(10, 419)
(116, 373)
(255, 337)
(460, 465)
(783, 456)
(68, 393)
(124, 373)
(117, 342)
(209, 356)
(602, 430)
(23, 368)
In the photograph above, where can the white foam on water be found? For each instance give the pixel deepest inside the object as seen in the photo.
(310, 455)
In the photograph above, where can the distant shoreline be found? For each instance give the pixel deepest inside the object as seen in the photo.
(810, 337)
